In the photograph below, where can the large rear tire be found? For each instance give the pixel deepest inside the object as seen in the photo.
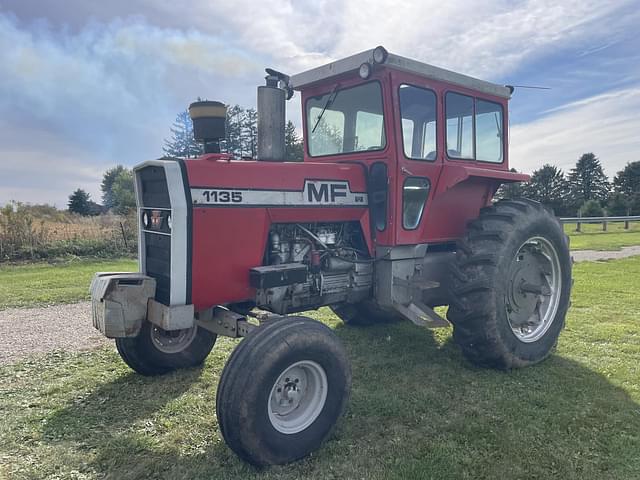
(282, 391)
(155, 351)
(511, 285)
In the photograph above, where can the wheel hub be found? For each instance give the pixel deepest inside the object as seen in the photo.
(172, 341)
(297, 397)
(533, 291)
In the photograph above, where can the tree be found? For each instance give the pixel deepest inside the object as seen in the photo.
(549, 187)
(591, 208)
(182, 144)
(250, 132)
(79, 202)
(124, 193)
(587, 181)
(107, 185)
(292, 144)
(235, 125)
(618, 204)
(627, 181)
(509, 190)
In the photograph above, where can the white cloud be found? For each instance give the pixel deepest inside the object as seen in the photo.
(606, 125)
(486, 38)
(100, 93)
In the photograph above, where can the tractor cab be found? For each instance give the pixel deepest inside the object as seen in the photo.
(428, 137)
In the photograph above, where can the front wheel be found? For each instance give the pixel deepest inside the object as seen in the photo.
(511, 285)
(282, 391)
(156, 351)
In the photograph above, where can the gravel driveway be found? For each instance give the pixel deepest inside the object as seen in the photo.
(30, 331)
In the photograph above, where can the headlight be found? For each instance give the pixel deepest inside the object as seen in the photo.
(380, 55)
(365, 70)
(145, 220)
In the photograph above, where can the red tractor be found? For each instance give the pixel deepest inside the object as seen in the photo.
(390, 215)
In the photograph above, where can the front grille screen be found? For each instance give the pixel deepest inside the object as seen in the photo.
(155, 209)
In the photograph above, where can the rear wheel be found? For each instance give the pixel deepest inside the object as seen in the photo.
(156, 351)
(511, 285)
(282, 391)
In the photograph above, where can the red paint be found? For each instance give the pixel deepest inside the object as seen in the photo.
(228, 241)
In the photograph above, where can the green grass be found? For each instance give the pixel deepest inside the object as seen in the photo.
(418, 409)
(593, 238)
(44, 283)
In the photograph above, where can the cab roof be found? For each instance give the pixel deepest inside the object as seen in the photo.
(396, 62)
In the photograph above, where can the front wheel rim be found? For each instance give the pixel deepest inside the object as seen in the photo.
(534, 288)
(297, 397)
(172, 341)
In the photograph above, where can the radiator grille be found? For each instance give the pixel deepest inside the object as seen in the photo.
(156, 251)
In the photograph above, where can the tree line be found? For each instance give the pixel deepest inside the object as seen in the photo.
(585, 190)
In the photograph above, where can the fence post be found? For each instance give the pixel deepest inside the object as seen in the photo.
(578, 223)
(604, 223)
(626, 222)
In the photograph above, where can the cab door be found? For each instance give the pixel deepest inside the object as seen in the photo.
(420, 156)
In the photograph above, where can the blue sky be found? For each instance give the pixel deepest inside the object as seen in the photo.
(87, 85)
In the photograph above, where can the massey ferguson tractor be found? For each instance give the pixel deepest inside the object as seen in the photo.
(390, 215)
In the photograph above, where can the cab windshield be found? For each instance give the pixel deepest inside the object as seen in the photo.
(346, 120)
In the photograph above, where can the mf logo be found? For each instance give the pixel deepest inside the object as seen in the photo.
(325, 191)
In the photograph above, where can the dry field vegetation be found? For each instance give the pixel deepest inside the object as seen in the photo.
(42, 232)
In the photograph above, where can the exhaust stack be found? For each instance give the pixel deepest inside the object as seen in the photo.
(209, 120)
(271, 119)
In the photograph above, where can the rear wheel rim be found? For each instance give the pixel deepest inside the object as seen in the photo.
(534, 288)
(297, 397)
(172, 341)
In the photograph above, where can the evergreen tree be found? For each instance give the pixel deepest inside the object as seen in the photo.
(79, 202)
(293, 144)
(627, 181)
(182, 144)
(250, 132)
(510, 190)
(587, 181)
(107, 185)
(549, 187)
(235, 126)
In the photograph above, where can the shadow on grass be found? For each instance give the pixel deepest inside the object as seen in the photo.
(418, 410)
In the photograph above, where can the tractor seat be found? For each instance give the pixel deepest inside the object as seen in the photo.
(431, 155)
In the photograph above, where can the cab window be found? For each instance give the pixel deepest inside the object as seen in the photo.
(474, 128)
(418, 116)
(488, 131)
(346, 120)
(459, 110)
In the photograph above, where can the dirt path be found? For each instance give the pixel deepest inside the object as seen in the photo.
(593, 255)
(30, 331)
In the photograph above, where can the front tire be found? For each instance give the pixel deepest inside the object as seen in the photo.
(511, 285)
(155, 351)
(282, 391)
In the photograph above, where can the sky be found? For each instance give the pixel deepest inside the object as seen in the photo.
(86, 85)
